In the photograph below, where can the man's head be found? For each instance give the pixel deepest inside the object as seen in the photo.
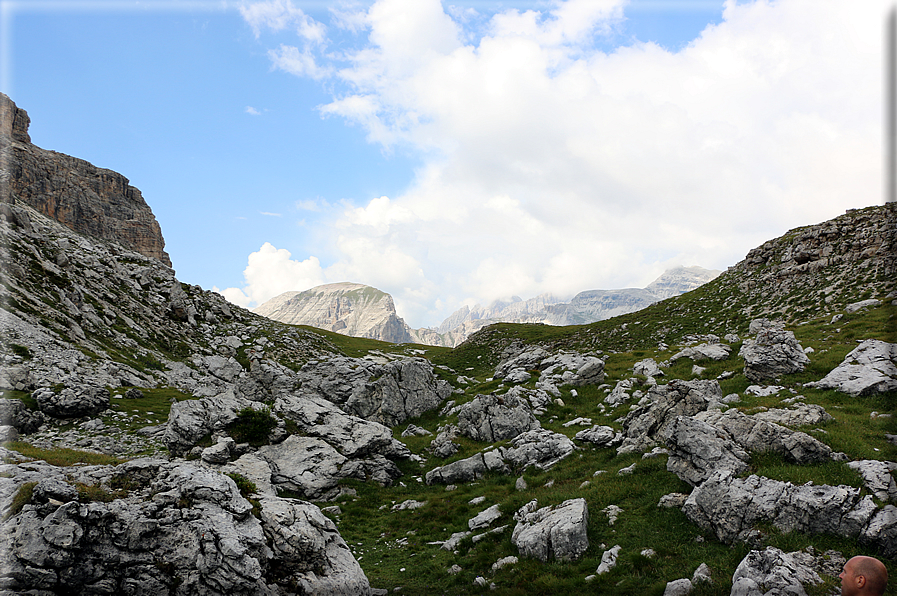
(863, 575)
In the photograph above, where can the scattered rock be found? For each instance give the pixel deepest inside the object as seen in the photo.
(608, 560)
(72, 402)
(600, 436)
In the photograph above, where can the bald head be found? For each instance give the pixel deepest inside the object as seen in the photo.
(864, 575)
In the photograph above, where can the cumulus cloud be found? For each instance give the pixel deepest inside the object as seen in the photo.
(252, 111)
(272, 271)
(550, 165)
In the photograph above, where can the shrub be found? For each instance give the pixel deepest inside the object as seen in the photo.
(252, 426)
(244, 484)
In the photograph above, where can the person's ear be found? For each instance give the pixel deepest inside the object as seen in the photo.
(861, 581)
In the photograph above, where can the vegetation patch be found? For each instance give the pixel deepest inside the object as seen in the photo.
(252, 426)
(63, 457)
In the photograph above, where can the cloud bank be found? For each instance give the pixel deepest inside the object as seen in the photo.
(552, 165)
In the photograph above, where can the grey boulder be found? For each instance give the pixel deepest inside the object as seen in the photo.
(492, 418)
(772, 353)
(869, 368)
(72, 402)
(553, 532)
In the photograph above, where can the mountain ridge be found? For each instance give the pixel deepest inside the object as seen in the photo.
(372, 313)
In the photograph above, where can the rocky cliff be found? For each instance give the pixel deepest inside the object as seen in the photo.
(89, 200)
(347, 308)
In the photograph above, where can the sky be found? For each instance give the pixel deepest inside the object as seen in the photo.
(456, 153)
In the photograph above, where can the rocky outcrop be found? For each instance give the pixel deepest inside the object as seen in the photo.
(647, 424)
(388, 392)
(165, 528)
(346, 308)
(72, 403)
(539, 448)
(773, 353)
(492, 418)
(89, 200)
(773, 571)
(732, 507)
(552, 532)
(869, 368)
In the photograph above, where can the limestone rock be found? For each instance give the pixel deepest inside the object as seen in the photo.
(468, 469)
(878, 477)
(388, 393)
(554, 532)
(306, 465)
(799, 415)
(491, 418)
(185, 529)
(705, 351)
(772, 353)
(485, 518)
(731, 507)
(756, 435)
(699, 449)
(72, 402)
(442, 446)
(772, 571)
(14, 413)
(540, 448)
(646, 424)
(600, 436)
(647, 367)
(869, 368)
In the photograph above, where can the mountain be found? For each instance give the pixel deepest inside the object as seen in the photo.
(93, 201)
(346, 308)
(157, 440)
(363, 311)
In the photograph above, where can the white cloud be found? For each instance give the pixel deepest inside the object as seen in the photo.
(553, 166)
(252, 111)
(269, 214)
(278, 15)
(271, 272)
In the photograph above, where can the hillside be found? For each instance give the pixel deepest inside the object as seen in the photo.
(158, 440)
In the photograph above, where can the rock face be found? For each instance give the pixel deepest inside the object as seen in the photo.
(89, 200)
(183, 529)
(870, 368)
(773, 353)
(348, 308)
(553, 532)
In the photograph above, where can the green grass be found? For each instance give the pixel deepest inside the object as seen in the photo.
(61, 456)
(151, 409)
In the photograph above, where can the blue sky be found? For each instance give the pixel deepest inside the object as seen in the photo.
(459, 152)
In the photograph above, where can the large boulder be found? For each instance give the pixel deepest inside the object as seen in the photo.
(869, 368)
(72, 402)
(878, 477)
(388, 393)
(468, 469)
(305, 465)
(184, 529)
(191, 420)
(15, 413)
(697, 450)
(732, 507)
(756, 435)
(492, 418)
(705, 351)
(350, 435)
(646, 424)
(773, 353)
(553, 532)
(772, 571)
(540, 448)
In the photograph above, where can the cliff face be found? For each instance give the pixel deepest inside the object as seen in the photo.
(346, 308)
(89, 200)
